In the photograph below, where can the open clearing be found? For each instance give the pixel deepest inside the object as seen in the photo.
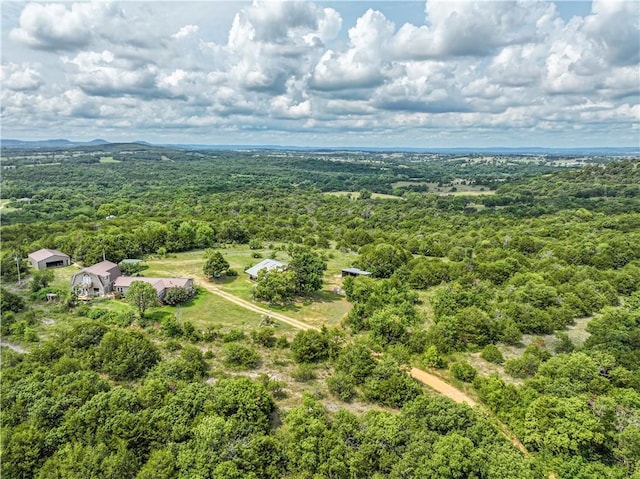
(355, 195)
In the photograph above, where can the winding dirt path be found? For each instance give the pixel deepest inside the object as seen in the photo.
(13, 347)
(440, 386)
(424, 377)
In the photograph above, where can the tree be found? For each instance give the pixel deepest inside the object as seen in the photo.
(307, 268)
(41, 279)
(309, 347)
(274, 286)
(142, 296)
(382, 259)
(215, 266)
(177, 295)
(126, 354)
(492, 354)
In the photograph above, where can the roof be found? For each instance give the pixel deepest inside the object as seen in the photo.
(125, 281)
(356, 271)
(131, 261)
(158, 283)
(44, 253)
(103, 268)
(267, 264)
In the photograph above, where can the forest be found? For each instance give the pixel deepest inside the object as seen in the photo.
(515, 279)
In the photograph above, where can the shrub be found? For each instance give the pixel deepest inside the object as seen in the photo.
(492, 354)
(233, 335)
(264, 337)
(304, 373)
(237, 355)
(342, 386)
(309, 347)
(433, 359)
(178, 295)
(463, 371)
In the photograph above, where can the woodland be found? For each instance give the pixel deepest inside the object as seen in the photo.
(514, 278)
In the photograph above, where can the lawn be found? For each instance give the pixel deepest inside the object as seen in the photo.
(356, 195)
(326, 307)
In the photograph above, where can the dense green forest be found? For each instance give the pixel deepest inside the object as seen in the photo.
(483, 269)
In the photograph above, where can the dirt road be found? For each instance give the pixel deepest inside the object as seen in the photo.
(13, 347)
(444, 388)
(426, 378)
(252, 307)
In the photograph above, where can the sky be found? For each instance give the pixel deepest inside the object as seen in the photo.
(440, 73)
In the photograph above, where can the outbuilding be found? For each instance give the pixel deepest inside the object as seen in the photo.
(49, 258)
(267, 264)
(354, 272)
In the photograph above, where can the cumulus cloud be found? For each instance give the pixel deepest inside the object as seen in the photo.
(58, 26)
(295, 67)
(20, 77)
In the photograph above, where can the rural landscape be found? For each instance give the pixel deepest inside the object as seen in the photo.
(317, 239)
(419, 315)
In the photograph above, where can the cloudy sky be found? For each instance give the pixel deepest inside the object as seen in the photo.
(358, 73)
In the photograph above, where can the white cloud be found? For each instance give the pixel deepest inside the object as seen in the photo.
(23, 77)
(186, 31)
(484, 68)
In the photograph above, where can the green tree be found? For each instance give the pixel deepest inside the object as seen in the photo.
(141, 295)
(308, 268)
(178, 295)
(309, 346)
(277, 287)
(41, 279)
(126, 354)
(215, 266)
(382, 259)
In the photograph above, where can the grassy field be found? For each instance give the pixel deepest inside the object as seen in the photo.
(326, 307)
(459, 188)
(354, 195)
(108, 159)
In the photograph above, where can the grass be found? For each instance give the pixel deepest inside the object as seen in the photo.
(460, 188)
(356, 195)
(326, 307)
(108, 159)
(3, 206)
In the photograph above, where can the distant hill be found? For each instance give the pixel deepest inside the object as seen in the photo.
(53, 143)
(584, 151)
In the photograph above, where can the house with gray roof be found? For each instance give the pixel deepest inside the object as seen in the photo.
(161, 285)
(49, 258)
(267, 264)
(96, 280)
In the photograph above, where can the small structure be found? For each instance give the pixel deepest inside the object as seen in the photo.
(161, 285)
(268, 264)
(354, 272)
(49, 258)
(96, 280)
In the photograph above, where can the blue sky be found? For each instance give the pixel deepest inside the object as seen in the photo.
(439, 73)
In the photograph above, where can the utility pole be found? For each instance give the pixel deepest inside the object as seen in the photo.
(17, 258)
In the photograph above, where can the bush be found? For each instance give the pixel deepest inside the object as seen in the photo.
(304, 373)
(309, 347)
(463, 371)
(342, 386)
(232, 273)
(178, 295)
(522, 367)
(239, 356)
(233, 335)
(264, 337)
(492, 354)
(433, 359)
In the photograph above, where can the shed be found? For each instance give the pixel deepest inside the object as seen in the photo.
(49, 258)
(268, 264)
(354, 272)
